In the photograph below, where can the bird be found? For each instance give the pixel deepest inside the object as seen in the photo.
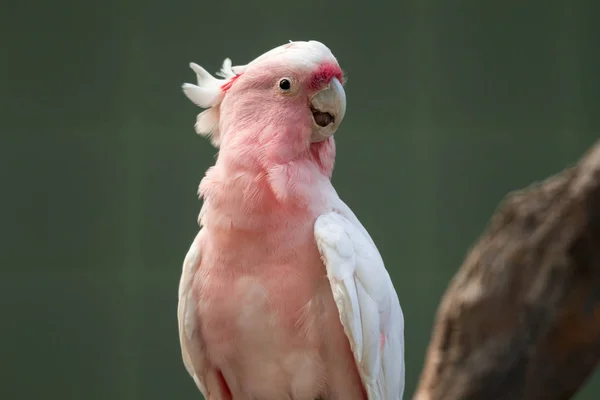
(283, 292)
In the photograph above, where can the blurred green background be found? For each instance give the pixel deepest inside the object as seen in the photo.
(451, 104)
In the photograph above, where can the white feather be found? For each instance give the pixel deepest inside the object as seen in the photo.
(226, 70)
(207, 93)
(203, 96)
(367, 302)
(207, 123)
(192, 353)
(239, 69)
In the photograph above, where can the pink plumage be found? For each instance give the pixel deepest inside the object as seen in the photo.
(283, 294)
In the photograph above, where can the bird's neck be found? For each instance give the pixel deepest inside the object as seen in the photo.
(242, 193)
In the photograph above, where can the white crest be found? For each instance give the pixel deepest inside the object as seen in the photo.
(209, 94)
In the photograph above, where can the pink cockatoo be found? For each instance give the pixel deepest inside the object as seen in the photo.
(283, 294)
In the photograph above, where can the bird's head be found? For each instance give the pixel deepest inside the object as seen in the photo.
(292, 96)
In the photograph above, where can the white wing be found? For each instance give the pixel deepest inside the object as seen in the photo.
(191, 350)
(366, 300)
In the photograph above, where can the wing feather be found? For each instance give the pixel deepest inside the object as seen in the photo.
(187, 318)
(367, 302)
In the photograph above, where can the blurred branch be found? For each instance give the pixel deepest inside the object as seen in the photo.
(521, 318)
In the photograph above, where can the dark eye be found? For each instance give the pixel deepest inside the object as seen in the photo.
(285, 84)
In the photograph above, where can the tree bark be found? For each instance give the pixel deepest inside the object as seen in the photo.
(521, 318)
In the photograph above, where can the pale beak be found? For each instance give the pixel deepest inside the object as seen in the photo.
(328, 108)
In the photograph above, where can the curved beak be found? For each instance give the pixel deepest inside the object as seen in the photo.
(328, 108)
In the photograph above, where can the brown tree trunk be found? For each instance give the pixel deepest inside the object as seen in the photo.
(521, 318)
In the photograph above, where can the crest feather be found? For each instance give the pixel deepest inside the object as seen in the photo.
(208, 93)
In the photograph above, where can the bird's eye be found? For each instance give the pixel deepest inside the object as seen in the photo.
(285, 84)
